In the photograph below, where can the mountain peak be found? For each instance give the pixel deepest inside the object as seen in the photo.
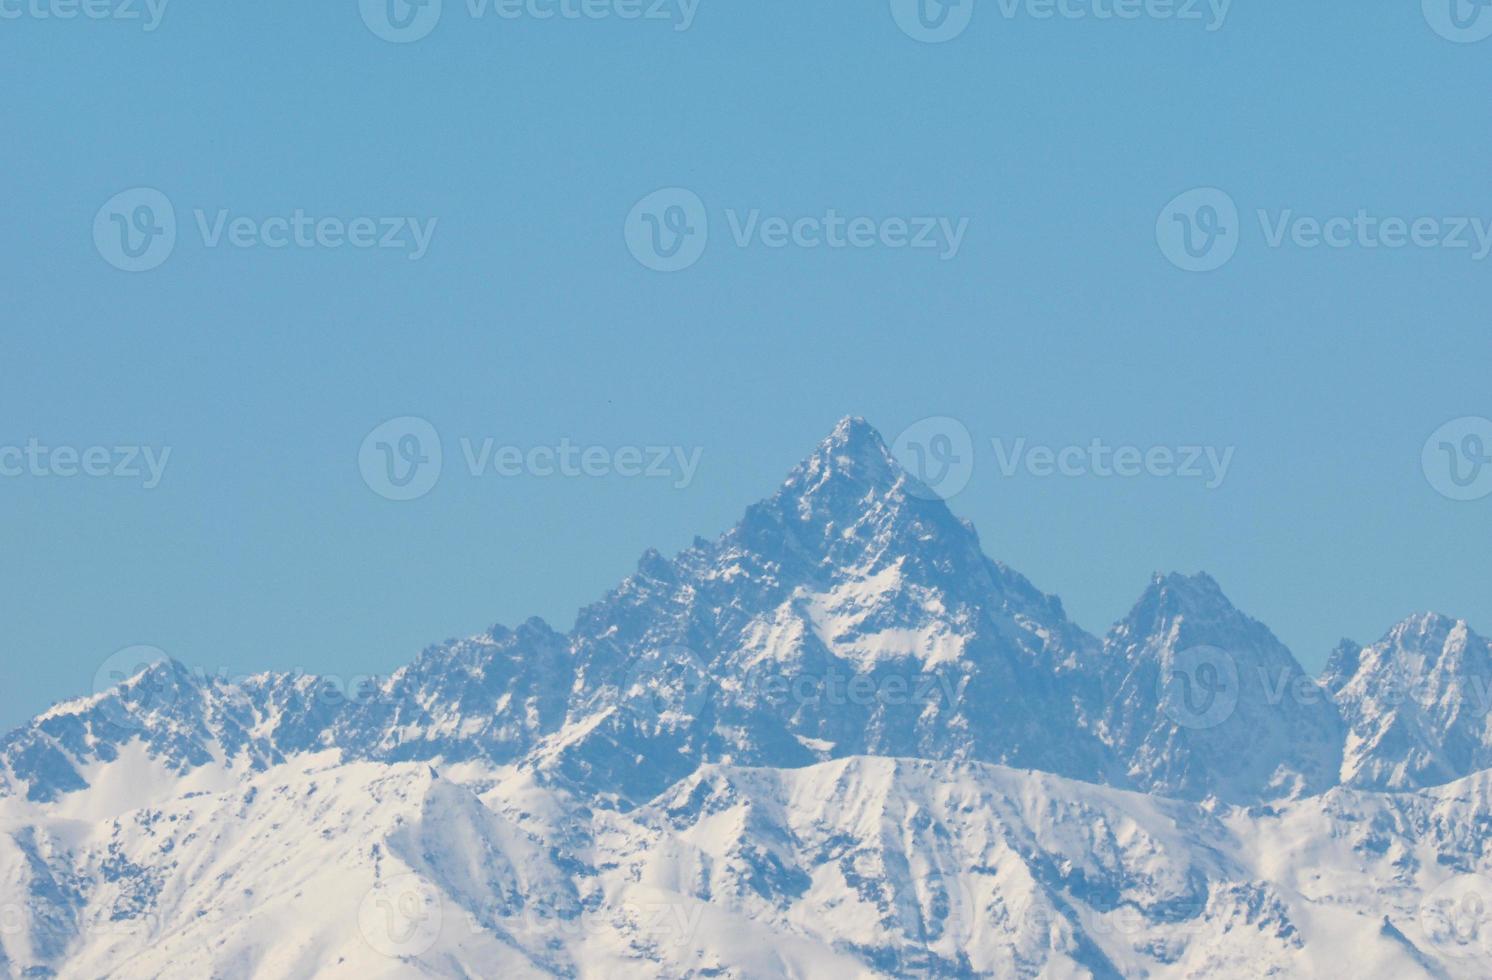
(855, 453)
(1198, 584)
(851, 504)
(854, 430)
(1174, 594)
(1418, 628)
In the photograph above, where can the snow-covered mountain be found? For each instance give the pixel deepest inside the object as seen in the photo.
(866, 866)
(1200, 700)
(1418, 704)
(838, 738)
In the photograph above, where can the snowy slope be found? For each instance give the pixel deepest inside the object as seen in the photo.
(857, 867)
(1418, 704)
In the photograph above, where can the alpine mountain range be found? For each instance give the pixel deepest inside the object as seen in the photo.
(836, 740)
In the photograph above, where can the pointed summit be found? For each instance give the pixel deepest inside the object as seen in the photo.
(1195, 592)
(854, 433)
(845, 572)
(1425, 630)
(1419, 702)
(1174, 599)
(851, 505)
(854, 457)
(1202, 700)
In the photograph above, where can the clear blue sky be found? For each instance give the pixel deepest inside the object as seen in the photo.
(528, 321)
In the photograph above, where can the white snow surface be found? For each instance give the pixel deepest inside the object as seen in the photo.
(863, 867)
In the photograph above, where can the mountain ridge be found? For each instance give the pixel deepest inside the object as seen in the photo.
(852, 573)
